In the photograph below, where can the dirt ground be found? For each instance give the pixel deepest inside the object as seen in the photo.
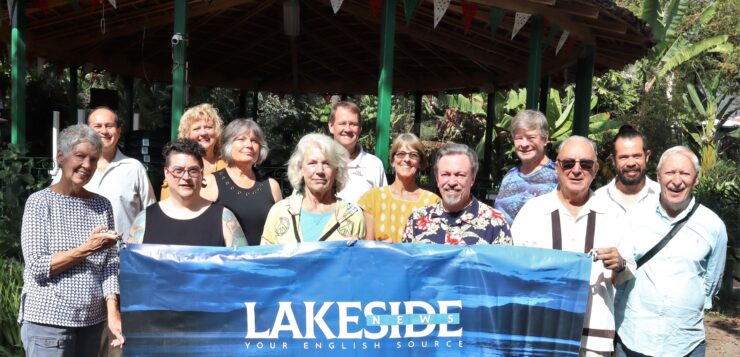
(723, 335)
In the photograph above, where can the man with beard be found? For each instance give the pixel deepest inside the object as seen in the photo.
(365, 170)
(571, 219)
(630, 187)
(661, 311)
(460, 219)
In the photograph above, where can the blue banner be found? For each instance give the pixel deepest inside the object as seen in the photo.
(369, 299)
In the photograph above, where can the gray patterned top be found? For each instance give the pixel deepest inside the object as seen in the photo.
(76, 297)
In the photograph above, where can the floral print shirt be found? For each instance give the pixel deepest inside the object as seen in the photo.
(478, 223)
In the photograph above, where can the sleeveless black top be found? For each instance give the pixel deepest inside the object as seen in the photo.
(250, 205)
(204, 230)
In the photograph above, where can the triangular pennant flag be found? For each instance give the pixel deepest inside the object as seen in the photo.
(408, 9)
(468, 10)
(335, 5)
(495, 17)
(520, 20)
(113, 3)
(561, 42)
(440, 7)
(376, 5)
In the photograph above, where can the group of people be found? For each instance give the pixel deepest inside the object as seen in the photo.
(212, 195)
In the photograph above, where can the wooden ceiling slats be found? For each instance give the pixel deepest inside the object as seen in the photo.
(241, 42)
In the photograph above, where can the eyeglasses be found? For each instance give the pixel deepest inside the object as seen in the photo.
(412, 155)
(179, 172)
(569, 164)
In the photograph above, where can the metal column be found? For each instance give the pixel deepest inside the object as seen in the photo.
(18, 75)
(179, 64)
(534, 67)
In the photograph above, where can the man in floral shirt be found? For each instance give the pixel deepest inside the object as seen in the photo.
(460, 219)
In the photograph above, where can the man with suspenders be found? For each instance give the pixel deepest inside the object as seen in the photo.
(571, 219)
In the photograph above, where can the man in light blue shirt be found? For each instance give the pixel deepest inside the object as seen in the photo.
(660, 312)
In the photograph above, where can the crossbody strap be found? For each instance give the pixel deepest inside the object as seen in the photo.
(323, 238)
(557, 237)
(676, 227)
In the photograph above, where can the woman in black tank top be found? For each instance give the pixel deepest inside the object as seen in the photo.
(238, 187)
(185, 218)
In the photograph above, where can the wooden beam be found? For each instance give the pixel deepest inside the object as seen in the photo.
(262, 39)
(550, 13)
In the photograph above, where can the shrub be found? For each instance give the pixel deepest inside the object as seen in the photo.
(11, 283)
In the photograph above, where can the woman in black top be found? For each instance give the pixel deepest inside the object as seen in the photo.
(185, 218)
(238, 187)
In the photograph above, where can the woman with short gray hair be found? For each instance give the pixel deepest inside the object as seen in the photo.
(535, 175)
(317, 170)
(238, 186)
(68, 237)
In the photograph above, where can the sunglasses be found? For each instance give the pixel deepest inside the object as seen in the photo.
(569, 164)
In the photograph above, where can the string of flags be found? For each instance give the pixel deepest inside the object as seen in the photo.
(469, 12)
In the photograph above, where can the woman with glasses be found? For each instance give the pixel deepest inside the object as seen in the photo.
(535, 175)
(239, 187)
(186, 218)
(317, 170)
(388, 208)
(202, 124)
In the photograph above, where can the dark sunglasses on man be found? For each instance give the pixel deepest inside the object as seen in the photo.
(569, 164)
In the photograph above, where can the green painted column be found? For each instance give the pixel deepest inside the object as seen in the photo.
(18, 75)
(385, 80)
(534, 67)
(179, 64)
(584, 81)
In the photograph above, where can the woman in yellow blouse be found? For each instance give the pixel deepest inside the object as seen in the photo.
(388, 208)
(202, 124)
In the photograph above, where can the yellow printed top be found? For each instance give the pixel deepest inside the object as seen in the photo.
(390, 213)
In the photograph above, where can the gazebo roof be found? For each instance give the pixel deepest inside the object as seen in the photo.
(241, 43)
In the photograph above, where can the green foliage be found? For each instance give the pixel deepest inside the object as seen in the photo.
(11, 283)
(18, 184)
(712, 105)
(719, 190)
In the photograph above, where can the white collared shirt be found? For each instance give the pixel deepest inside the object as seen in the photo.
(614, 201)
(365, 172)
(532, 227)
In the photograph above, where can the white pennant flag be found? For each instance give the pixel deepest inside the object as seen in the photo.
(335, 5)
(440, 7)
(519, 21)
(113, 3)
(561, 42)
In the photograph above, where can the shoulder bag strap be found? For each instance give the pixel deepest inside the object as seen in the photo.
(295, 228)
(676, 227)
(329, 232)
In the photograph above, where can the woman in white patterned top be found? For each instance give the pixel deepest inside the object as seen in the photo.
(70, 282)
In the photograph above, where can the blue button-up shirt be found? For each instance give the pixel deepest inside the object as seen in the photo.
(660, 311)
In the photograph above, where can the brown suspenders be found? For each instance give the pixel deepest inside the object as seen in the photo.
(557, 238)
(557, 243)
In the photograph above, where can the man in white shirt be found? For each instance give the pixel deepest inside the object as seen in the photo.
(631, 186)
(570, 219)
(365, 170)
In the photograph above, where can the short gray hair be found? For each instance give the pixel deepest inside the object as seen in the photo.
(238, 127)
(336, 154)
(73, 135)
(682, 150)
(582, 139)
(531, 120)
(457, 149)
